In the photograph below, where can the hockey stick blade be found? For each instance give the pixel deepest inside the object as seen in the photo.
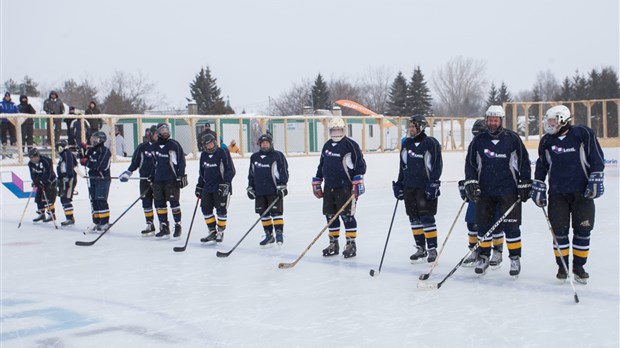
(285, 265)
(428, 286)
(81, 243)
(424, 276)
(576, 298)
(373, 273)
(223, 254)
(179, 249)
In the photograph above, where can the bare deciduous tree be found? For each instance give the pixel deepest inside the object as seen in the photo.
(127, 94)
(460, 87)
(293, 101)
(376, 88)
(547, 85)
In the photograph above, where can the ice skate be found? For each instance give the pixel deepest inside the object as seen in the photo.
(164, 231)
(68, 222)
(581, 276)
(432, 255)
(49, 217)
(102, 228)
(177, 230)
(209, 238)
(39, 217)
(470, 260)
(149, 230)
(333, 248)
(279, 238)
(350, 249)
(515, 266)
(561, 275)
(482, 264)
(496, 259)
(268, 241)
(91, 229)
(419, 255)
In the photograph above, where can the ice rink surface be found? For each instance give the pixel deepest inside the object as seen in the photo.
(129, 291)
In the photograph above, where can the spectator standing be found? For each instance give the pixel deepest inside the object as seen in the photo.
(54, 106)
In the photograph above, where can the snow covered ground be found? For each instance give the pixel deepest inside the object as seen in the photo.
(127, 291)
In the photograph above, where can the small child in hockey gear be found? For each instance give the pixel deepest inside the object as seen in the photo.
(44, 181)
(98, 159)
(575, 181)
(168, 179)
(144, 161)
(216, 172)
(342, 167)
(67, 180)
(497, 176)
(267, 180)
(420, 168)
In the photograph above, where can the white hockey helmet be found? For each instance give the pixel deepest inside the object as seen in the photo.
(556, 118)
(495, 111)
(337, 128)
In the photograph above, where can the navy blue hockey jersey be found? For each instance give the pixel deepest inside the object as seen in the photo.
(215, 169)
(143, 160)
(169, 160)
(569, 159)
(99, 160)
(42, 172)
(498, 162)
(66, 165)
(420, 161)
(340, 162)
(267, 170)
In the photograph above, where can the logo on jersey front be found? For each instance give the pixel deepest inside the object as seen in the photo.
(412, 154)
(331, 154)
(209, 165)
(559, 150)
(491, 154)
(261, 165)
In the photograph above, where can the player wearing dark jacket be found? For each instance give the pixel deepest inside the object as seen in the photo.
(98, 159)
(67, 180)
(267, 180)
(342, 167)
(168, 179)
(215, 175)
(573, 160)
(143, 161)
(498, 174)
(420, 168)
(44, 181)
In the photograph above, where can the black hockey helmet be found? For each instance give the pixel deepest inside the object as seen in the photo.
(34, 152)
(206, 140)
(62, 145)
(419, 121)
(268, 138)
(163, 131)
(98, 138)
(478, 127)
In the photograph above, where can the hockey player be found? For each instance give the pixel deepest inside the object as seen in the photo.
(418, 184)
(470, 218)
(216, 172)
(497, 174)
(98, 159)
(573, 159)
(143, 160)
(44, 181)
(267, 181)
(67, 180)
(168, 179)
(342, 166)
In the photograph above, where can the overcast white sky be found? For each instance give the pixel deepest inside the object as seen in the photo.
(258, 49)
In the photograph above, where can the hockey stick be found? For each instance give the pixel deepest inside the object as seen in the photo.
(178, 249)
(81, 243)
(226, 254)
(557, 247)
(423, 285)
(25, 208)
(284, 265)
(47, 207)
(372, 271)
(425, 276)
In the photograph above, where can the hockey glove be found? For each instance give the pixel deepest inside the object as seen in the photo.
(282, 191)
(358, 185)
(525, 189)
(223, 190)
(198, 191)
(472, 190)
(124, 177)
(316, 187)
(399, 193)
(432, 190)
(251, 192)
(182, 181)
(595, 187)
(83, 161)
(539, 193)
(462, 190)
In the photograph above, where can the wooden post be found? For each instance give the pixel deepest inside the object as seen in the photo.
(526, 121)
(514, 118)
(17, 121)
(192, 130)
(363, 135)
(113, 138)
(604, 119)
(52, 138)
(589, 113)
(462, 124)
(218, 130)
(306, 136)
(241, 137)
(540, 121)
(444, 143)
(285, 136)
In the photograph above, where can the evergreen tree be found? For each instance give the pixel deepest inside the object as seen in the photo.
(11, 87)
(493, 98)
(580, 87)
(29, 87)
(78, 95)
(419, 100)
(566, 91)
(604, 85)
(397, 97)
(504, 96)
(536, 94)
(206, 93)
(116, 103)
(320, 94)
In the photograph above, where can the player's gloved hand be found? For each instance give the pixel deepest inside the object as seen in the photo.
(124, 177)
(462, 190)
(251, 192)
(472, 190)
(83, 160)
(358, 185)
(525, 189)
(432, 190)
(399, 193)
(595, 187)
(282, 191)
(198, 191)
(182, 181)
(539, 193)
(223, 189)
(316, 187)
